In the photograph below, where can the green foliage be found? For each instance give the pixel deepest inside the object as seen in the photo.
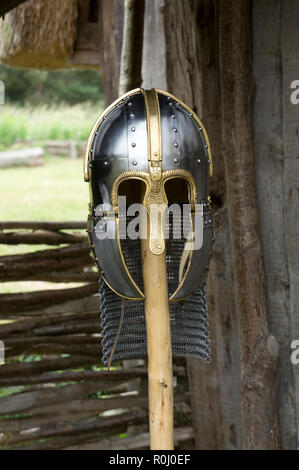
(7, 391)
(47, 123)
(29, 358)
(11, 128)
(35, 87)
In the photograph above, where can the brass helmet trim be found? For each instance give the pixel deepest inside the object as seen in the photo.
(95, 127)
(154, 180)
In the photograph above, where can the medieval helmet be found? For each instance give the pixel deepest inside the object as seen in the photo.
(151, 147)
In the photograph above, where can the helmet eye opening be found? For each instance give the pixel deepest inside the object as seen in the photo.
(133, 189)
(177, 191)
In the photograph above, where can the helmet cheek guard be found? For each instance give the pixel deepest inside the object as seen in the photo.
(152, 148)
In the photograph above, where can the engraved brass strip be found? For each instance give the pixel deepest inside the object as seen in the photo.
(155, 199)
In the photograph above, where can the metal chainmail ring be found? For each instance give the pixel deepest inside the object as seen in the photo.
(123, 325)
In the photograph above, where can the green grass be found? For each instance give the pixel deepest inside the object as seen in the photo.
(52, 192)
(44, 123)
(55, 191)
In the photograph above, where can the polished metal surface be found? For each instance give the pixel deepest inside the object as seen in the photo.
(119, 145)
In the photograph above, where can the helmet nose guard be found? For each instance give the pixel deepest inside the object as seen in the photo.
(152, 137)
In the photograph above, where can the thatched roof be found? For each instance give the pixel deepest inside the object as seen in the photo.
(39, 34)
(8, 5)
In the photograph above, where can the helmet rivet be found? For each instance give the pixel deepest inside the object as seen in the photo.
(209, 161)
(106, 163)
(134, 163)
(130, 104)
(133, 144)
(155, 154)
(90, 165)
(206, 146)
(174, 129)
(133, 129)
(176, 144)
(173, 116)
(132, 115)
(175, 160)
(198, 160)
(170, 103)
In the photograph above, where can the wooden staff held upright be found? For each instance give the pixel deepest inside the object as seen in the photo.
(160, 379)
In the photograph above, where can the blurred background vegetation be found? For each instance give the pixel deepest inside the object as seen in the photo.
(37, 87)
(44, 106)
(55, 105)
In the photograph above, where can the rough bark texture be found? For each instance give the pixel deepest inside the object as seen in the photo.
(201, 51)
(16, 303)
(258, 349)
(264, 39)
(192, 73)
(275, 65)
(131, 54)
(290, 68)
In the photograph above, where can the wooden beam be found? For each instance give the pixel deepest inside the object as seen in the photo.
(258, 348)
(72, 225)
(21, 302)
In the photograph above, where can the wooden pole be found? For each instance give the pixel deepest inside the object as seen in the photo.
(160, 377)
(131, 54)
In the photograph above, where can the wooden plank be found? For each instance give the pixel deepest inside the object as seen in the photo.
(58, 413)
(41, 237)
(193, 74)
(68, 429)
(99, 376)
(290, 226)
(137, 442)
(270, 164)
(61, 442)
(258, 348)
(47, 225)
(85, 304)
(37, 400)
(21, 302)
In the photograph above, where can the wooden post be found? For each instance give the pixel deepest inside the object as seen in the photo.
(258, 347)
(160, 379)
(131, 54)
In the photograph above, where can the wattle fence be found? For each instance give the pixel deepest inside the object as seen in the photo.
(54, 391)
